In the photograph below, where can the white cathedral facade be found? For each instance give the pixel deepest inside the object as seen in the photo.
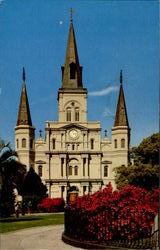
(72, 154)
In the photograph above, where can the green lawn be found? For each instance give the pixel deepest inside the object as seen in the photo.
(12, 223)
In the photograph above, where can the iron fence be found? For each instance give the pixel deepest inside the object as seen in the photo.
(79, 223)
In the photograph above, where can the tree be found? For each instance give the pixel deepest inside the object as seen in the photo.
(142, 175)
(33, 190)
(148, 150)
(11, 176)
(145, 171)
(2, 144)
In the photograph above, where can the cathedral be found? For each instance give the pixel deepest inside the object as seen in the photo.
(72, 154)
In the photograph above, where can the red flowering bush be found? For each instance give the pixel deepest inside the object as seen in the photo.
(51, 205)
(107, 215)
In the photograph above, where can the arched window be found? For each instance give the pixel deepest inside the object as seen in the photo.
(72, 70)
(17, 143)
(23, 143)
(70, 170)
(68, 114)
(76, 170)
(105, 171)
(31, 143)
(115, 143)
(40, 171)
(92, 143)
(53, 143)
(73, 146)
(77, 114)
(122, 143)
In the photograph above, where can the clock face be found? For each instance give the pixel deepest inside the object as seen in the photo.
(73, 133)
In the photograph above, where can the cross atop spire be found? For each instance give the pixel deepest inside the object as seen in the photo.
(71, 15)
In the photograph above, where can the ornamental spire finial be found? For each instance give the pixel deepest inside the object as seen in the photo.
(105, 132)
(40, 133)
(24, 75)
(121, 78)
(71, 15)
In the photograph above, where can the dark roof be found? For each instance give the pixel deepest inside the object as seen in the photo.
(24, 117)
(71, 59)
(121, 118)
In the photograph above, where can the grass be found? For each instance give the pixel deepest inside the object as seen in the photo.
(27, 221)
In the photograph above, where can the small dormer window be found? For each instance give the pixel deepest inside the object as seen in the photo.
(115, 143)
(72, 70)
(23, 143)
(122, 143)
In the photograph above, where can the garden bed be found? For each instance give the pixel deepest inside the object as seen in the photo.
(112, 218)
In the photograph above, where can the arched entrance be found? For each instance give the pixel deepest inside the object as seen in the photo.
(72, 193)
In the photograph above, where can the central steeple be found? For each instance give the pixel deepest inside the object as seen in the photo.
(71, 71)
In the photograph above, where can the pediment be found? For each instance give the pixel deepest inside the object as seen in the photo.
(73, 125)
(40, 162)
(106, 162)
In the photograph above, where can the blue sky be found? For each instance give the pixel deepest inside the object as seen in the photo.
(110, 35)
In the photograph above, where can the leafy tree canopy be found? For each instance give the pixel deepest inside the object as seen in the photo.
(148, 150)
(33, 190)
(11, 176)
(33, 185)
(142, 175)
(145, 171)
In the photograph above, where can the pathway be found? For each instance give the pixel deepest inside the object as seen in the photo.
(40, 238)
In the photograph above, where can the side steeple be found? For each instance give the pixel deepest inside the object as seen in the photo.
(24, 130)
(71, 71)
(24, 117)
(121, 118)
(121, 131)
